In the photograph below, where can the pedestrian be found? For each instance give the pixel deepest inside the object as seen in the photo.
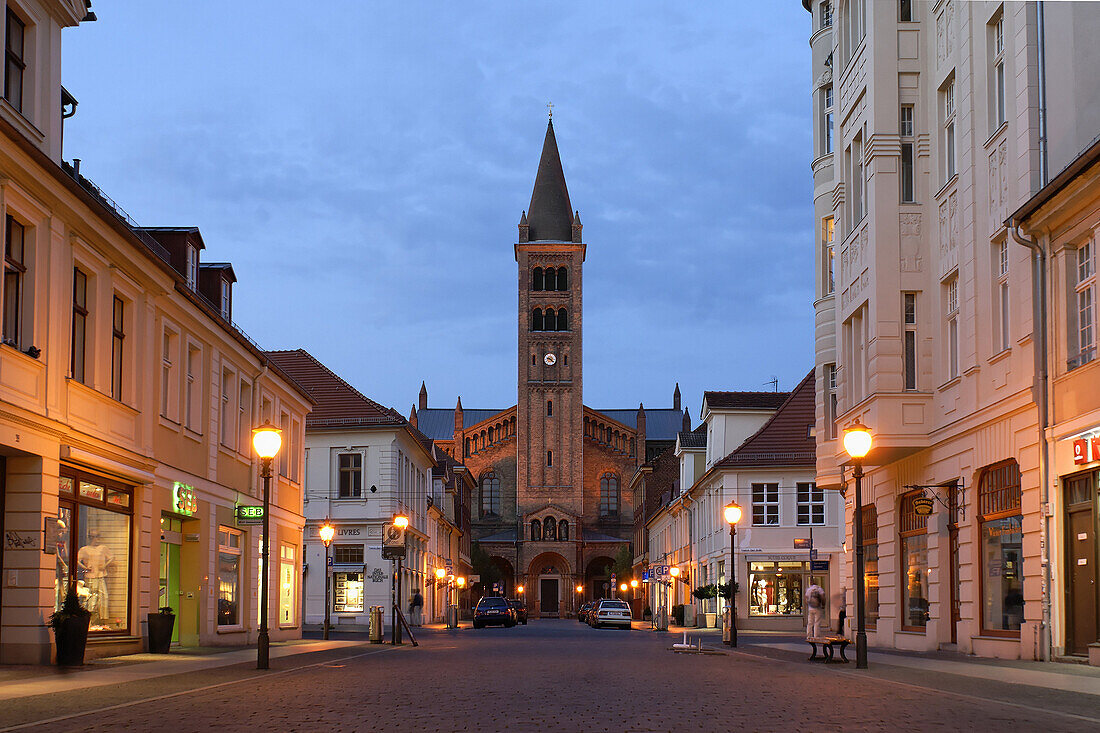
(815, 604)
(416, 604)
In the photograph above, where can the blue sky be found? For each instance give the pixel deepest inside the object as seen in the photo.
(363, 165)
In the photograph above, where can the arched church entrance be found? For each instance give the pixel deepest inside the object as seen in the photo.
(549, 574)
(597, 578)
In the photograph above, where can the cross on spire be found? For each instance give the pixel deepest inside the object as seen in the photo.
(550, 107)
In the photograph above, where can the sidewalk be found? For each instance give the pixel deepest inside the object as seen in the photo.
(25, 681)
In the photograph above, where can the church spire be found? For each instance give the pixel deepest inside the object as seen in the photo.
(550, 215)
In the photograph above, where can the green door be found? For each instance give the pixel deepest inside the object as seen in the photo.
(170, 582)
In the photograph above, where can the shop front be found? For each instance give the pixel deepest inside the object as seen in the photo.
(1080, 487)
(773, 596)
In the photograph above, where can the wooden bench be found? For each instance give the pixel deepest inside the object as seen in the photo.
(829, 644)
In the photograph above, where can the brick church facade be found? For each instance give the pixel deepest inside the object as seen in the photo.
(550, 506)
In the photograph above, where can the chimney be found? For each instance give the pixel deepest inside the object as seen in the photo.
(423, 396)
(412, 417)
(676, 397)
(687, 421)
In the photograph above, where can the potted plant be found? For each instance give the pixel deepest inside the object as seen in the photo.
(70, 630)
(705, 593)
(160, 630)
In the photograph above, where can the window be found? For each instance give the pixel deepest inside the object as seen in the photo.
(609, 495)
(563, 320)
(347, 592)
(536, 320)
(947, 110)
(288, 582)
(193, 387)
(909, 345)
(95, 518)
(226, 305)
(857, 15)
(1002, 549)
(826, 14)
(776, 588)
(347, 554)
(828, 254)
(244, 416)
(549, 458)
(563, 279)
(906, 131)
(827, 119)
(811, 504)
(192, 267)
(287, 450)
(997, 71)
(118, 337)
(859, 185)
(765, 504)
(549, 279)
(550, 320)
(14, 269)
(870, 564)
(549, 408)
(1085, 311)
(350, 470)
(905, 11)
(490, 495)
(227, 431)
(536, 279)
(169, 382)
(830, 400)
(15, 65)
(951, 314)
(229, 577)
(1002, 305)
(80, 325)
(914, 564)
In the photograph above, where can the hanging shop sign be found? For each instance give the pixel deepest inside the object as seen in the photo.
(184, 500)
(250, 514)
(922, 505)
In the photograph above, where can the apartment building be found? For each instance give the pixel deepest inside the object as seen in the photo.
(127, 400)
(933, 122)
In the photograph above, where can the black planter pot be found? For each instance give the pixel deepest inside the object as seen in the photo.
(160, 632)
(71, 637)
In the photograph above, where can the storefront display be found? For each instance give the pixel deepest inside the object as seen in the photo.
(229, 576)
(870, 565)
(914, 564)
(288, 586)
(775, 588)
(94, 516)
(347, 592)
(1002, 549)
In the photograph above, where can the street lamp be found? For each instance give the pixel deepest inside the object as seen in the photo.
(327, 532)
(732, 513)
(401, 522)
(519, 589)
(266, 440)
(857, 442)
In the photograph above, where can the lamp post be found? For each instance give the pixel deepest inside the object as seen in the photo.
(732, 513)
(857, 442)
(266, 440)
(327, 532)
(401, 522)
(440, 575)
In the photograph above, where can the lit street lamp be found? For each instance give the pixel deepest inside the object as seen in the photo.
(401, 522)
(266, 440)
(327, 532)
(732, 514)
(440, 575)
(857, 442)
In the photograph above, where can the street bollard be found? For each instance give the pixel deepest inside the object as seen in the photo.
(452, 616)
(376, 624)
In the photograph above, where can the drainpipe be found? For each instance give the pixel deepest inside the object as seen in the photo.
(1041, 36)
(1041, 390)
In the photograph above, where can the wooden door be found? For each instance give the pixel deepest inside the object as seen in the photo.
(1082, 626)
(548, 596)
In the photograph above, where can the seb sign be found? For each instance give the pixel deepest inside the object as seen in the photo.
(1086, 450)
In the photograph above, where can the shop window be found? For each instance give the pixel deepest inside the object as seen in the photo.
(765, 504)
(347, 554)
(775, 588)
(347, 592)
(288, 584)
(914, 564)
(229, 577)
(811, 504)
(870, 565)
(1002, 549)
(95, 517)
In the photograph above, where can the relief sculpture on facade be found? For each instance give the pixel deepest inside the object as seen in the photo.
(909, 229)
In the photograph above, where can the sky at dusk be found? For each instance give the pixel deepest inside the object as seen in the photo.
(363, 165)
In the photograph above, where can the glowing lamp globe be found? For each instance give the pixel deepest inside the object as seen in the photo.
(327, 532)
(519, 589)
(732, 513)
(623, 587)
(440, 573)
(267, 440)
(674, 572)
(633, 584)
(460, 581)
(401, 521)
(857, 440)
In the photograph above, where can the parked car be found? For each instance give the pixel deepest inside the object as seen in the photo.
(610, 612)
(520, 609)
(582, 612)
(493, 610)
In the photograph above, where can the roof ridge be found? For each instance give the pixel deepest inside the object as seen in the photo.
(383, 408)
(771, 419)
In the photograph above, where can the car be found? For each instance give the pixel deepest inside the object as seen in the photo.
(582, 612)
(520, 609)
(493, 611)
(610, 612)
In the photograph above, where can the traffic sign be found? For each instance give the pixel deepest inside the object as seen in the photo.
(813, 554)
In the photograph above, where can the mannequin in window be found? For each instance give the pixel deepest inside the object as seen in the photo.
(94, 561)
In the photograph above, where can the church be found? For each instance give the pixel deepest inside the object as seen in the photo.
(549, 506)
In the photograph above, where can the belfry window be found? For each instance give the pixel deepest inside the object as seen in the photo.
(563, 320)
(536, 320)
(563, 279)
(536, 279)
(550, 320)
(549, 279)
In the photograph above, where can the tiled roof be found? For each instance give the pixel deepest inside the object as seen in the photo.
(592, 536)
(786, 438)
(337, 402)
(660, 424)
(439, 423)
(696, 438)
(744, 400)
(508, 535)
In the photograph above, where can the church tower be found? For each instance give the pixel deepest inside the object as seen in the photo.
(549, 420)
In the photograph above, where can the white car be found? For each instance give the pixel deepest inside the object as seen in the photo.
(610, 613)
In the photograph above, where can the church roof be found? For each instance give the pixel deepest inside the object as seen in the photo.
(508, 535)
(550, 215)
(660, 424)
(439, 423)
(786, 439)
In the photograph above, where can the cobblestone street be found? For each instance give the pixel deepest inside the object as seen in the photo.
(561, 675)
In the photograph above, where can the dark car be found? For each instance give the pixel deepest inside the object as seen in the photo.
(520, 610)
(582, 612)
(493, 610)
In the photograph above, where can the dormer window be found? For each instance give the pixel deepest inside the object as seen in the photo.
(192, 267)
(225, 301)
(14, 64)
